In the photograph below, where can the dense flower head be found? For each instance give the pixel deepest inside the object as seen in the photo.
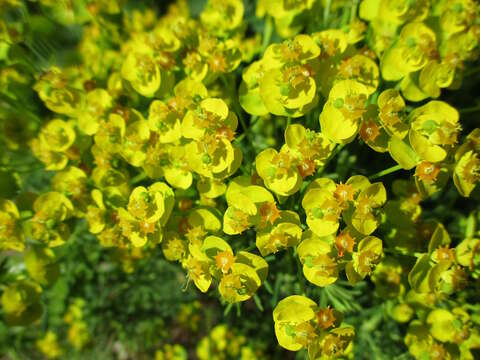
(238, 140)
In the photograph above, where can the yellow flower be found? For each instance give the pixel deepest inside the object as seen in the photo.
(292, 317)
(415, 46)
(322, 208)
(21, 302)
(222, 17)
(147, 212)
(316, 255)
(434, 130)
(141, 71)
(284, 231)
(49, 346)
(41, 265)
(10, 235)
(278, 172)
(47, 226)
(341, 114)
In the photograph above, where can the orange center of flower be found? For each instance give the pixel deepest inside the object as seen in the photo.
(326, 318)
(369, 131)
(225, 132)
(427, 171)
(224, 261)
(306, 168)
(344, 192)
(218, 63)
(195, 234)
(445, 254)
(344, 242)
(269, 213)
(147, 227)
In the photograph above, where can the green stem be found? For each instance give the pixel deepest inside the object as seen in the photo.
(353, 14)
(227, 309)
(138, 178)
(397, 252)
(267, 33)
(25, 215)
(240, 138)
(334, 153)
(258, 302)
(243, 124)
(276, 289)
(471, 71)
(326, 13)
(300, 272)
(268, 287)
(470, 109)
(231, 88)
(250, 247)
(385, 172)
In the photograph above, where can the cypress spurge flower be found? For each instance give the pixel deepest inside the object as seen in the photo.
(278, 171)
(288, 87)
(248, 205)
(11, 236)
(322, 208)
(304, 151)
(97, 103)
(277, 230)
(147, 212)
(308, 148)
(53, 144)
(239, 276)
(249, 94)
(57, 94)
(466, 173)
(319, 263)
(212, 128)
(21, 302)
(415, 45)
(47, 225)
(341, 115)
(434, 130)
(141, 70)
(392, 115)
(49, 345)
(300, 323)
(41, 265)
(367, 255)
(137, 135)
(222, 17)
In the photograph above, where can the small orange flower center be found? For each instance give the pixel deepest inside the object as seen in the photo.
(326, 318)
(224, 261)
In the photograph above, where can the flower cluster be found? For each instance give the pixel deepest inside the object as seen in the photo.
(423, 269)
(154, 138)
(300, 323)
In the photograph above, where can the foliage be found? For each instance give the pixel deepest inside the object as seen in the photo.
(231, 179)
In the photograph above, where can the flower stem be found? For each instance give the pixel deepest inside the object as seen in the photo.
(470, 109)
(267, 33)
(334, 153)
(471, 71)
(138, 178)
(326, 13)
(299, 272)
(385, 172)
(353, 14)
